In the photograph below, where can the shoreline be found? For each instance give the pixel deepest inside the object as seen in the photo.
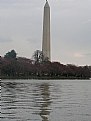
(47, 78)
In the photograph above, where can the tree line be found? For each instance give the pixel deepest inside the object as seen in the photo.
(12, 66)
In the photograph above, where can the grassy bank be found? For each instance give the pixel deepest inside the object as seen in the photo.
(43, 77)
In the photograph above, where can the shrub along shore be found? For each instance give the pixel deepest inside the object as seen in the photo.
(24, 68)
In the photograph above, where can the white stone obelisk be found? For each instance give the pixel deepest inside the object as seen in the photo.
(46, 32)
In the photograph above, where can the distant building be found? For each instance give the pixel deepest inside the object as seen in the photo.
(46, 32)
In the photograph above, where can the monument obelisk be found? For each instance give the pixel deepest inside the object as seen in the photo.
(46, 32)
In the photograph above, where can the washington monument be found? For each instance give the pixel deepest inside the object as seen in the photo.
(46, 32)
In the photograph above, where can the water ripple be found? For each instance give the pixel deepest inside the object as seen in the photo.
(40, 100)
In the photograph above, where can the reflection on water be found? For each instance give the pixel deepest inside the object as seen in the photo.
(45, 93)
(18, 97)
(39, 100)
(42, 100)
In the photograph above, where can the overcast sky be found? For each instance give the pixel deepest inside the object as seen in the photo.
(21, 29)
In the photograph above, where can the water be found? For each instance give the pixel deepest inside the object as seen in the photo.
(50, 100)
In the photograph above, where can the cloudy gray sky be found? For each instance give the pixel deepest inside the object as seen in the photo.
(21, 29)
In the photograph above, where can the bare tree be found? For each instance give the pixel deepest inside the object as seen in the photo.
(38, 56)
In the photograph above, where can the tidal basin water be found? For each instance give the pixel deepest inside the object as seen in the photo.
(45, 100)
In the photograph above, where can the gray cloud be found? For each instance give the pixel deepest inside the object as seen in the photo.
(88, 54)
(5, 39)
